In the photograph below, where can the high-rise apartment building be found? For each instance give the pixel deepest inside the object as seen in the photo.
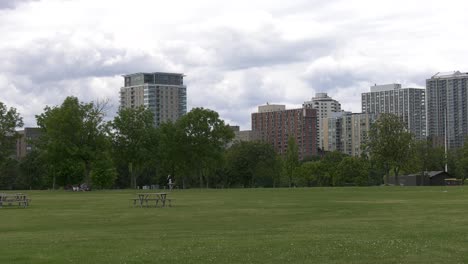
(407, 103)
(164, 94)
(325, 106)
(274, 124)
(347, 132)
(447, 109)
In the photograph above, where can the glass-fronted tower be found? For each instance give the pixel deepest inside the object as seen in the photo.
(447, 108)
(163, 93)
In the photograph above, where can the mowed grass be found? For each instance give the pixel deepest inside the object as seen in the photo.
(301, 225)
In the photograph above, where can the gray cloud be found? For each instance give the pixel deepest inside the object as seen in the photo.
(235, 55)
(50, 60)
(238, 50)
(11, 4)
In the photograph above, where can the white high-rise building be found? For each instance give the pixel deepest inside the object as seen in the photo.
(325, 106)
(447, 108)
(407, 103)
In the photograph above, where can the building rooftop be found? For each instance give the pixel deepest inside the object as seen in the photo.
(385, 87)
(449, 74)
(271, 108)
(166, 73)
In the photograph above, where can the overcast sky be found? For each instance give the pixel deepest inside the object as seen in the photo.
(236, 54)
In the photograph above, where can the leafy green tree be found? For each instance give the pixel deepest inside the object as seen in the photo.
(9, 174)
(132, 133)
(291, 161)
(204, 138)
(73, 136)
(307, 172)
(352, 171)
(252, 164)
(457, 162)
(33, 172)
(10, 119)
(313, 173)
(104, 173)
(390, 144)
(426, 157)
(171, 153)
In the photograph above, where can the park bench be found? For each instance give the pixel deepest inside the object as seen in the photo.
(146, 202)
(18, 199)
(151, 199)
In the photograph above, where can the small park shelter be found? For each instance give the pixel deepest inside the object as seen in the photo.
(427, 178)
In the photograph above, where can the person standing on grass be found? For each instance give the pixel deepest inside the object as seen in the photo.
(169, 182)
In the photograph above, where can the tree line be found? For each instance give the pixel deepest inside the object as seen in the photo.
(77, 145)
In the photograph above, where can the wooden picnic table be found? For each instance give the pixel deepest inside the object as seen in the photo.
(146, 199)
(10, 199)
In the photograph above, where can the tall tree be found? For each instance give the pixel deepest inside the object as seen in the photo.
(251, 164)
(131, 133)
(33, 174)
(72, 133)
(426, 157)
(104, 173)
(352, 171)
(390, 144)
(10, 119)
(291, 161)
(171, 152)
(313, 173)
(205, 137)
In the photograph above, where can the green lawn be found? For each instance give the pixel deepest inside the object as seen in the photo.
(312, 225)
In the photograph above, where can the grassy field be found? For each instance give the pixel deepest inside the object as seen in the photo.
(312, 225)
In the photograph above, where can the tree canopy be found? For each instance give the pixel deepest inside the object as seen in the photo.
(389, 144)
(73, 136)
(10, 119)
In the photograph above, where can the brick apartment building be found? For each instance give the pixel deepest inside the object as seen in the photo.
(274, 124)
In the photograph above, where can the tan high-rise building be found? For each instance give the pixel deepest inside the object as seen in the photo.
(24, 144)
(325, 106)
(164, 94)
(347, 132)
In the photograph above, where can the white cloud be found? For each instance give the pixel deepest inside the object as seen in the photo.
(236, 54)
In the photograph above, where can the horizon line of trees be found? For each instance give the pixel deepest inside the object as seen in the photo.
(78, 146)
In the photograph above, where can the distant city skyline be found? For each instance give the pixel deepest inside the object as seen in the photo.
(236, 55)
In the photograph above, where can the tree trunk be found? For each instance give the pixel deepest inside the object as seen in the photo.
(387, 175)
(200, 177)
(132, 177)
(87, 179)
(173, 173)
(397, 181)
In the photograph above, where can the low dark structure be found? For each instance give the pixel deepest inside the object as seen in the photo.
(427, 178)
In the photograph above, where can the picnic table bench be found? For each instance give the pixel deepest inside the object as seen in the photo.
(18, 199)
(150, 199)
